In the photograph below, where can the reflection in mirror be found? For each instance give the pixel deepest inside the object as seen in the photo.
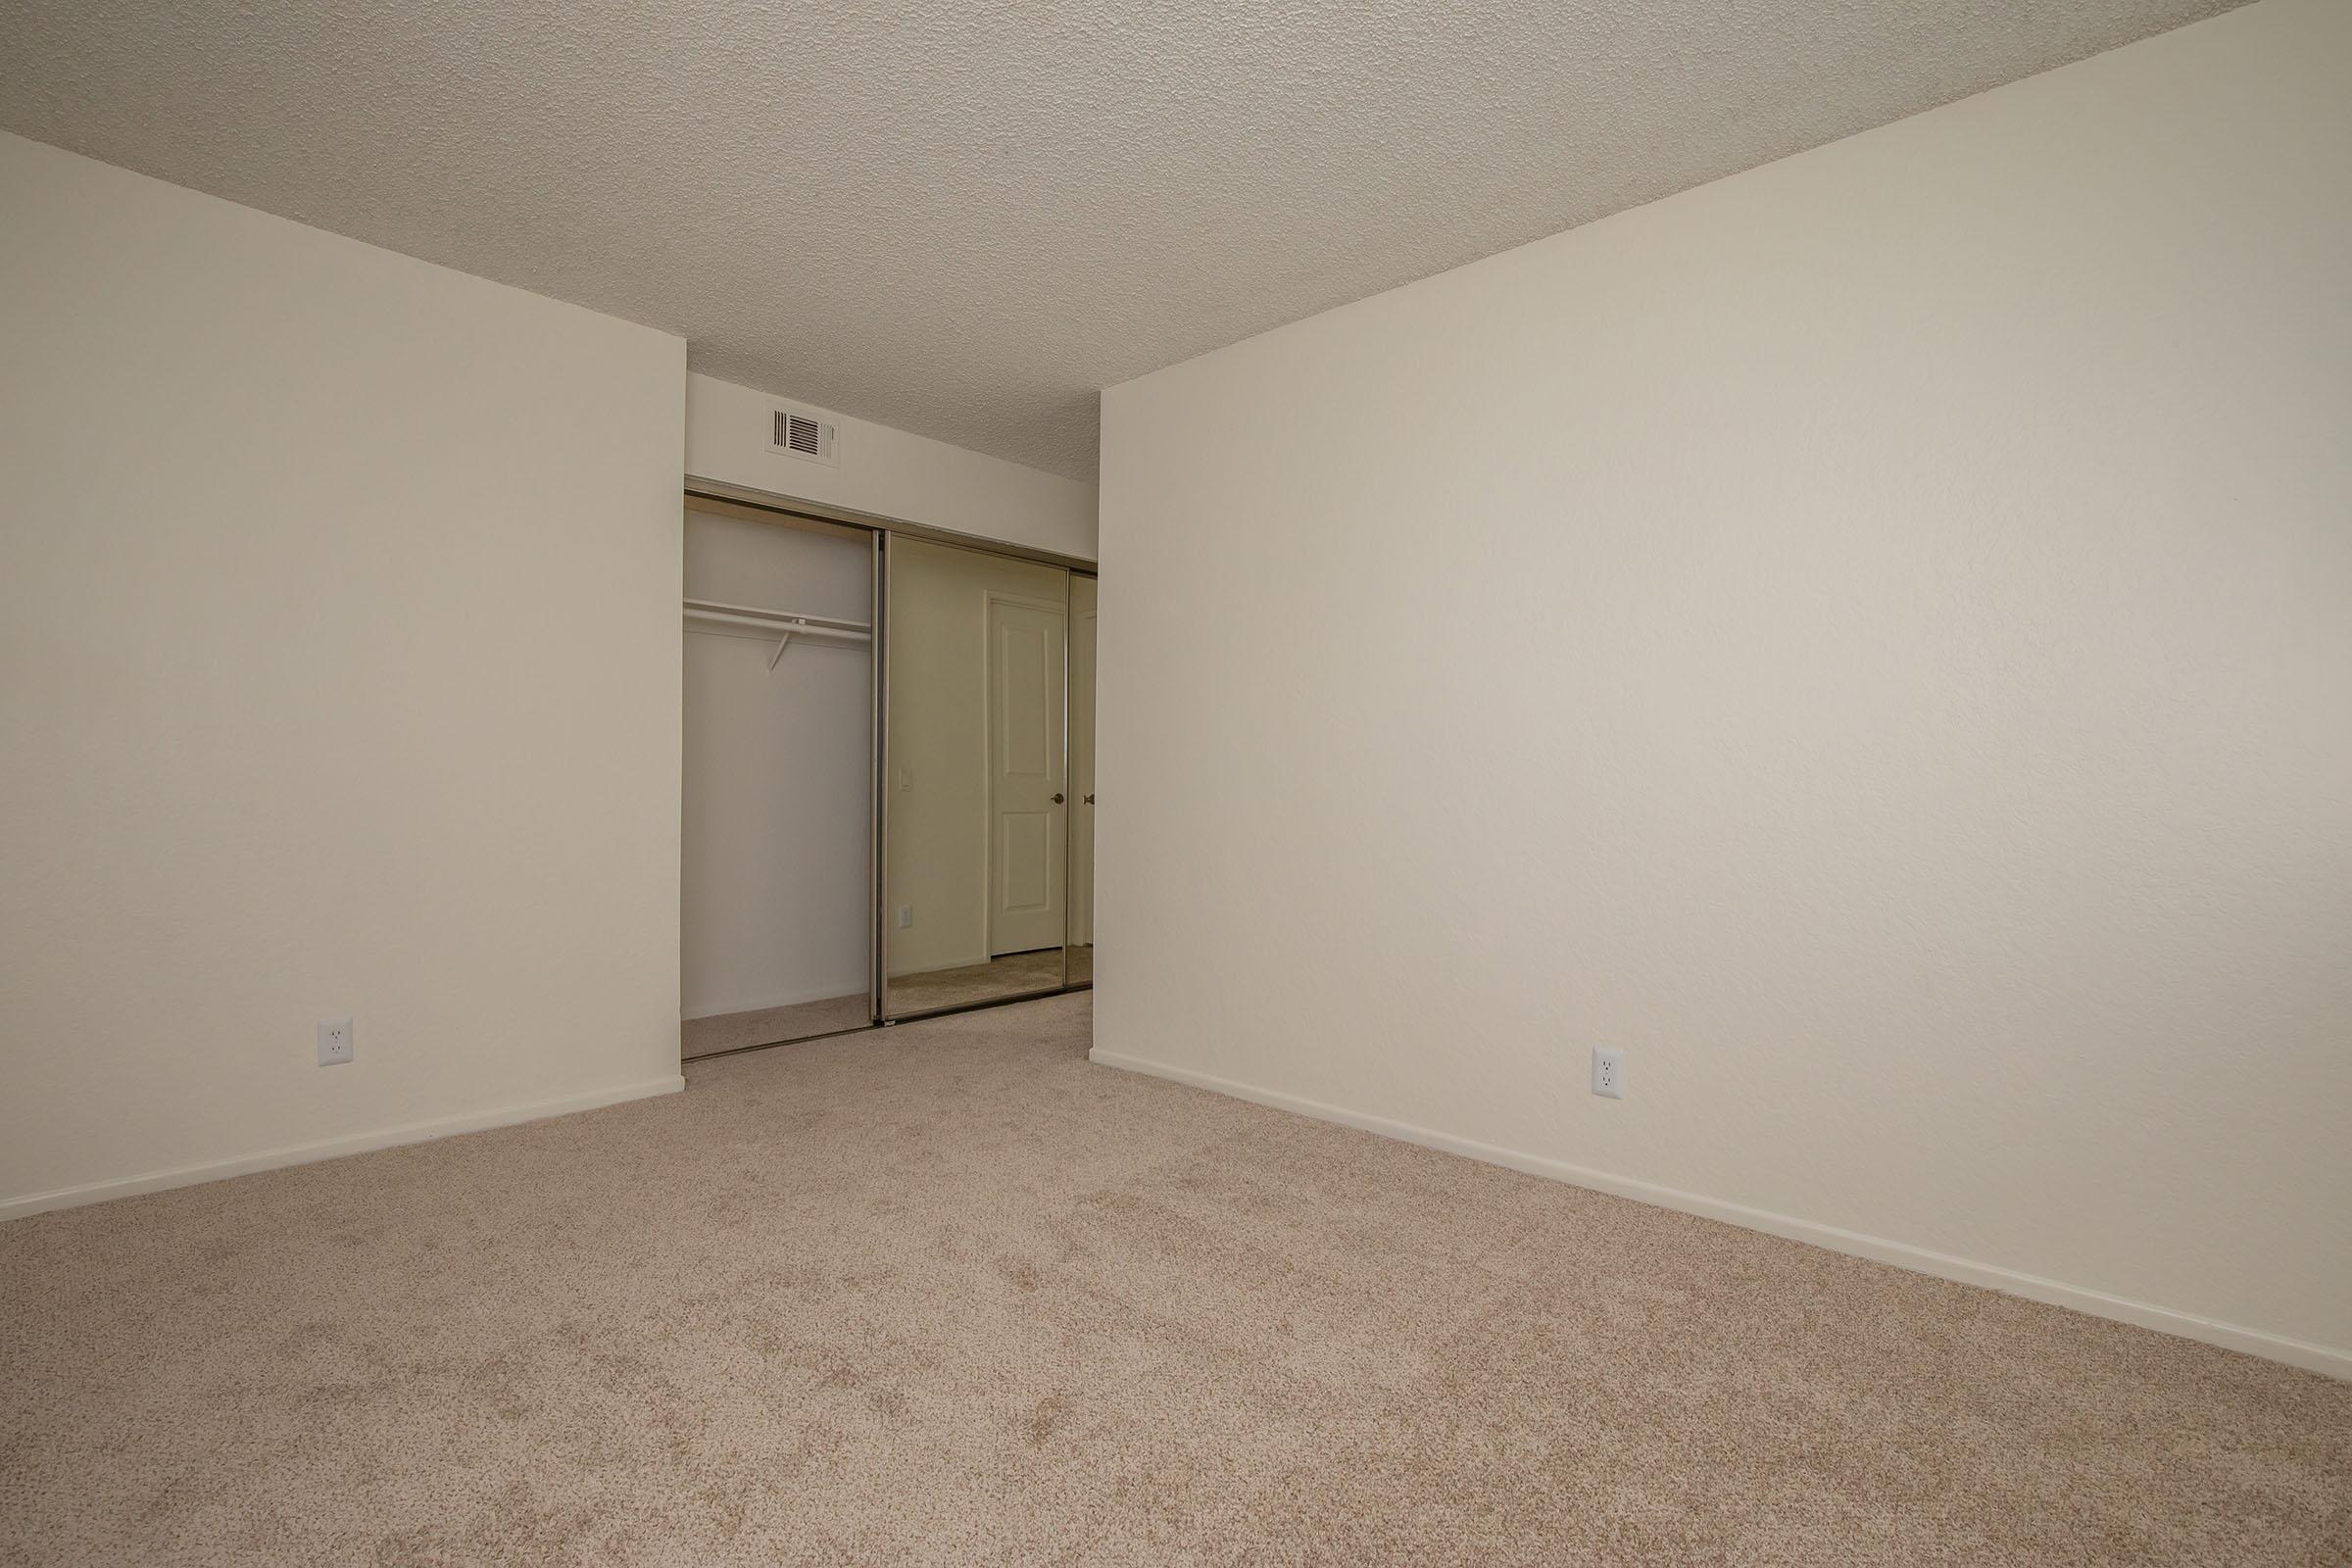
(776, 885)
(975, 851)
(1081, 961)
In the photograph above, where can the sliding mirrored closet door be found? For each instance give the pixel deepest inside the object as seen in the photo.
(775, 929)
(977, 786)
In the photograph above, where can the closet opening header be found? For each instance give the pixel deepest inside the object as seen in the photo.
(760, 506)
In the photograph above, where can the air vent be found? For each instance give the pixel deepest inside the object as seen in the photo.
(804, 436)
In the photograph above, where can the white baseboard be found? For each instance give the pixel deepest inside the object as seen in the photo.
(762, 1003)
(2337, 1363)
(934, 968)
(332, 1148)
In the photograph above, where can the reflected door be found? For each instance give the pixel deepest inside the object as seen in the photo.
(1082, 778)
(1028, 795)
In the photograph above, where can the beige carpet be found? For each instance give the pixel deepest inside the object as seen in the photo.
(949, 1293)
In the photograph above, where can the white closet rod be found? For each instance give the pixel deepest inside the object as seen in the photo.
(753, 615)
(789, 628)
(784, 627)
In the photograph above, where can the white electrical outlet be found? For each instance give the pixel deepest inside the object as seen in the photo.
(1608, 1073)
(906, 916)
(334, 1041)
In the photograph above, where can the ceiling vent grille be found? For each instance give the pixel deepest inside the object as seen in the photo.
(804, 436)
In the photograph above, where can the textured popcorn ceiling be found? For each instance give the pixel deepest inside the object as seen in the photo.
(963, 219)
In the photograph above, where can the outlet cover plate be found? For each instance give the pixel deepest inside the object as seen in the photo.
(334, 1041)
(1608, 1073)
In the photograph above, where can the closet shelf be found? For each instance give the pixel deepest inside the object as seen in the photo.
(782, 624)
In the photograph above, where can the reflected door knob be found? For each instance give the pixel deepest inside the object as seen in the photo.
(1090, 800)
(1056, 796)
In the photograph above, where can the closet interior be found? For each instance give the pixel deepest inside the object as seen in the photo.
(888, 770)
(779, 744)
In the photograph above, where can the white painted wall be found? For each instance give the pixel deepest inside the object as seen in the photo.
(889, 474)
(778, 891)
(338, 674)
(1871, 637)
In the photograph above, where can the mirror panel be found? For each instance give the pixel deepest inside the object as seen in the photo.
(976, 882)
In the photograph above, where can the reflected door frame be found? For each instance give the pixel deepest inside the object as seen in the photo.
(1078, 677)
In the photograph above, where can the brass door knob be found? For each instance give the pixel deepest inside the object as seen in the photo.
(1056, 796)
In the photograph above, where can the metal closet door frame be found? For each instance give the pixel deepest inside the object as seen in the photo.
(883, 925)
(1070, 862)
(877, 838)
(784, 508)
